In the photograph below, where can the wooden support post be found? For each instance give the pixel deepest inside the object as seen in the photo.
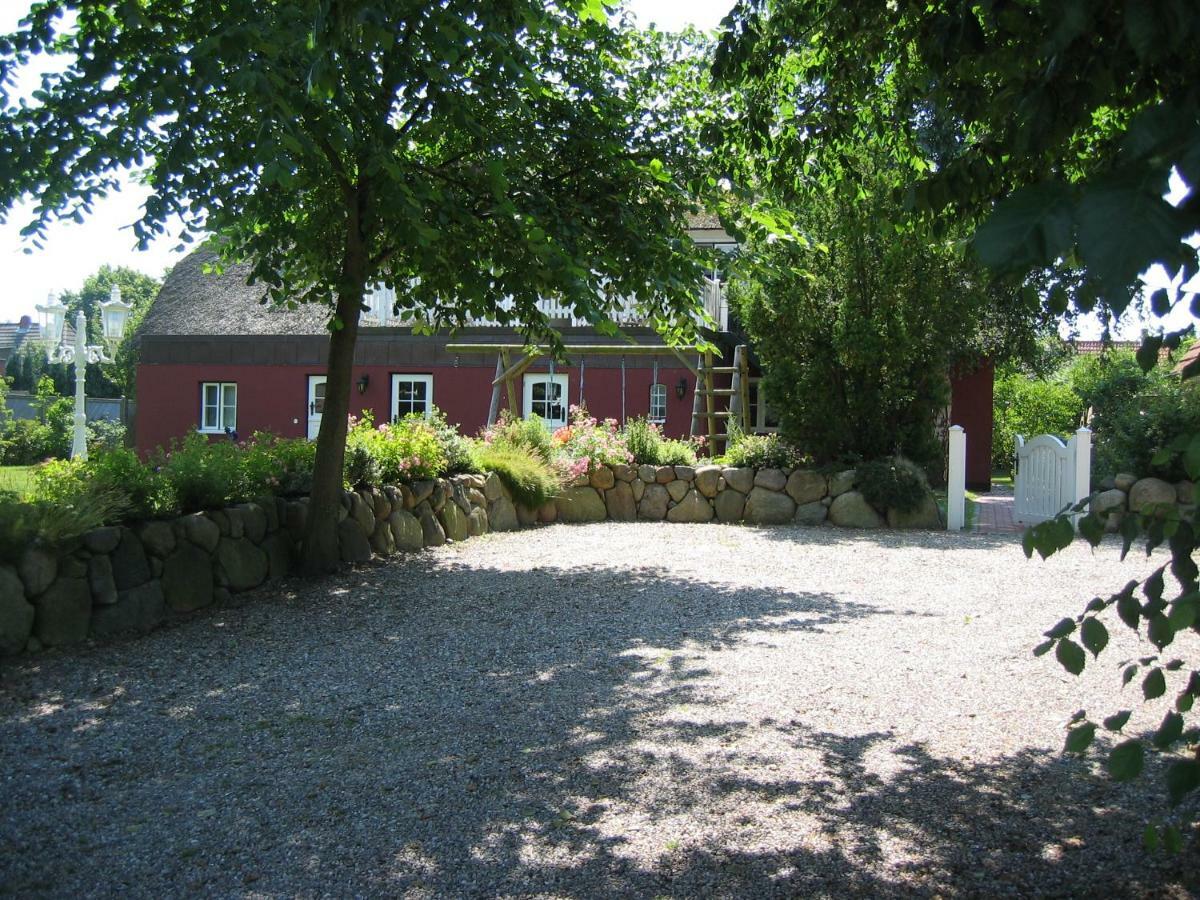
(494, 406)
(745, 388)
(696, 396)
(509, 388)
(710, 402)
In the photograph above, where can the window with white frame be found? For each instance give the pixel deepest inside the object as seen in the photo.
(218, 406)
(546, 397)
(762, 419)
(411, 394)
(658, 403)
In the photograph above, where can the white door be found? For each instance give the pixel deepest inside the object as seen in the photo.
(1044, 481)
(316, 404)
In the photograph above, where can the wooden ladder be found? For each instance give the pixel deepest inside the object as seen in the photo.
(704, 401)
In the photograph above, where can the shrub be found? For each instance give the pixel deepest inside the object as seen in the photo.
(144, 493)
(276, 465)
(455, 447)
(646, 445)
(204, 475)
(531, 480)
(406, 450)
(587, 443)
(530, 434)
(892, 484)
(1131, 429)
(105, 434)
(1028, 407)
(360, 467)
(762, 451)
(23, 523)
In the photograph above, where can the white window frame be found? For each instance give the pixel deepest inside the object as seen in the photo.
(661, 417)
(564, 396)
(313, 420)
(219, 424)
(397, 378)
(759, 425)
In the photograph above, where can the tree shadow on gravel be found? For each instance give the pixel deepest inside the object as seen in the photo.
(439, 729)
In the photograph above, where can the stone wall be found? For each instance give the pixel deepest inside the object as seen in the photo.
(131, 578)
(1128, 493)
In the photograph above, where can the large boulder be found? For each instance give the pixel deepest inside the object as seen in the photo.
(295, 520)
(685, 473)
(622, 472)
(158, 538)
(619, 502)
(502, 515)
(548, 512)
(805, 486)
(421, 490)
(100, 581)
(102, 540)
(455, 522)
(813, 513)
(242, 565)
(16, 613)
(678, 489)
(406, 531)
(362, 513)
(602, 478)
(639, 490)
(380, 505)
(279, 550)
(765, 506)
(647, 473)
(580, 504)
(741, 480)
(478, 521)
(708, 479)
(729, 506)
(692, 508)
(187, 578)
(493, 487)
(664, 474)
(926, 516)
(771, 479)
(840, 482)
(38, 569)
(432, 533)
(1123, 481)
(527, 516)
(381, 540)
(63, 612)
(130, 566)
(1108, 501)
(1149, 493)
(653, 504)
(254, 522)
(851, 510)
(1185, 493)
(138, 609)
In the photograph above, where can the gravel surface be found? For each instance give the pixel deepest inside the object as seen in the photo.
(723, 712)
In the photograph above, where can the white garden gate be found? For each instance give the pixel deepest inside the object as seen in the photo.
(1050, 475)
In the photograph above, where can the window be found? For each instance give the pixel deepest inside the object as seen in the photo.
(411, 394)
(762, 419)
(218, 406)
(546, 396)
(658, 403)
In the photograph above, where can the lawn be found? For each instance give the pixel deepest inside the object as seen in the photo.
(16, 478)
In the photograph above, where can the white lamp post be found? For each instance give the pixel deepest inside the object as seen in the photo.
(113, 315)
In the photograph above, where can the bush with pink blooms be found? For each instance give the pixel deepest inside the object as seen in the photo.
(587, 443)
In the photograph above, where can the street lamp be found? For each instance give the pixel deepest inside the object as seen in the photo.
(113, 315)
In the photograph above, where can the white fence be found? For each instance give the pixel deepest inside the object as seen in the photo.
(1050, 475)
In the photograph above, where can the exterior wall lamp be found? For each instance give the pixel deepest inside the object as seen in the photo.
(681, 388)
(362, 383)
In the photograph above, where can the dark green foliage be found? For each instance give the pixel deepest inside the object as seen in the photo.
(530, 435)
(26, 442)
(892, 484)
(763, 451)
(24, 522)
(205, 475)
(457, 449)
(272, 465)
(1029, 407)
(646, 443)
(529, 478)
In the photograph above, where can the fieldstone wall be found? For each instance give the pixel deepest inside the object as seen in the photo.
(131, 578)
(1128, 493)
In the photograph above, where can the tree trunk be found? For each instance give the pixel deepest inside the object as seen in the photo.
(320, 547)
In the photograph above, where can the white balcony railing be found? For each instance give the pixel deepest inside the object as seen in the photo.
(381, 304)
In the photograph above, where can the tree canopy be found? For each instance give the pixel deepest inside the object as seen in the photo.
(460, 152)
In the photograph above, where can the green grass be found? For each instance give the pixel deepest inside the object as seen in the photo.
(970, 507)
(18, 479)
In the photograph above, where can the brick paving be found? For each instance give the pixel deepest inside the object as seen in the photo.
(994, 512)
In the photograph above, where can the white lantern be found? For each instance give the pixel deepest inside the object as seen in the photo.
(113, 316)
(52, 316)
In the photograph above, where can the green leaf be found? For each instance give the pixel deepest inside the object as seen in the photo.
(1080, 738)
(1070, 655)
(1154, 685)
(1169, 731)
(1032, 226)
(1117, 721)
(1160, 631)
(1094, 635)
(1125, 760)
(1092, 529)
(1062, 629)
(1183, 777)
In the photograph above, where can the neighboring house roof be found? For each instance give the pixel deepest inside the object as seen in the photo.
(704, 220)
(1189, 364)
(13, 334)
(194, 301)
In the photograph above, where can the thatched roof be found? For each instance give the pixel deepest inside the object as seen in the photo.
(195, 302)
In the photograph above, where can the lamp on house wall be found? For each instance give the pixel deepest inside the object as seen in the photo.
(681, 388)
(363, 382)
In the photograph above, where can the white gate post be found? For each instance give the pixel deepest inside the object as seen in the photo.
(1083, 466)
(956, 483)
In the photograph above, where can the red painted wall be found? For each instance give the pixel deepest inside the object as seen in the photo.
(275, 398)
(971, 407)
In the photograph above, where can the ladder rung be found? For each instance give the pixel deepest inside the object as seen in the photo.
(719, 370)
(720, 414)
(719, 392)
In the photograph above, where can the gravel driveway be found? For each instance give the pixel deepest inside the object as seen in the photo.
(637, 710)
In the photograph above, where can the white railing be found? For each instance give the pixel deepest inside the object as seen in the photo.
(381, 304)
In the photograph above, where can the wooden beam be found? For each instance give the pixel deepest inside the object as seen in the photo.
(494, 406)
(575, 349)
(509, 388)
(517, 368)
(687, 365)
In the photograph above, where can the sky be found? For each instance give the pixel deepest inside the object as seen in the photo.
(74, 251)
